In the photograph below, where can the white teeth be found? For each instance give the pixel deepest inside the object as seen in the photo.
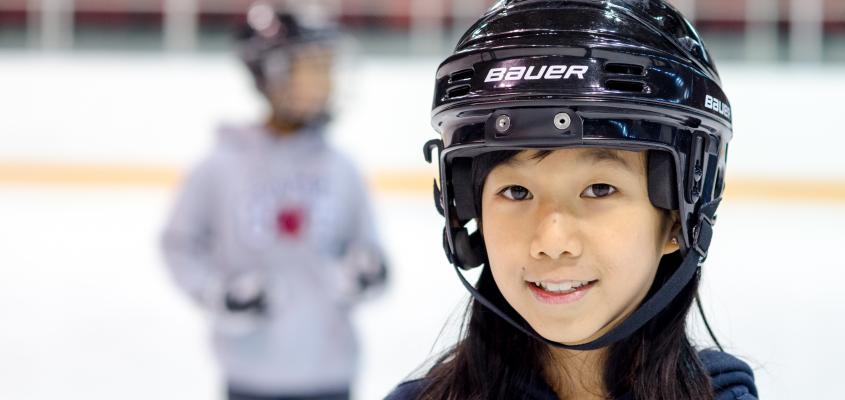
(565, 286)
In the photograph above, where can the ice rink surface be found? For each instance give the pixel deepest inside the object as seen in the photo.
(88, 311)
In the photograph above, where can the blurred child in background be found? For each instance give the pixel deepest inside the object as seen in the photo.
(272, 233)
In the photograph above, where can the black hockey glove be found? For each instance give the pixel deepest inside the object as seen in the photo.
(254, 304)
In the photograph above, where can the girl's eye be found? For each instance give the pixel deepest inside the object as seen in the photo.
(598, 190)
(516, 192)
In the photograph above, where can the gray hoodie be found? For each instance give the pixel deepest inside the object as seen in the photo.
(283, 214)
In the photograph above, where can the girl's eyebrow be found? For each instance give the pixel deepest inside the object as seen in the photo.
(538, 156)
(590, 155)
(599, 155)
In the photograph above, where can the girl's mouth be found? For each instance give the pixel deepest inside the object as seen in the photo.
(560, 292)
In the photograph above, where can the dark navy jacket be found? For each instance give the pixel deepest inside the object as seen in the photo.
(732, 380)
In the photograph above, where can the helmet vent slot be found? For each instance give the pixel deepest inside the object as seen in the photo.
(625, 86)
(458, 91)
(626, 69)
(460, 76)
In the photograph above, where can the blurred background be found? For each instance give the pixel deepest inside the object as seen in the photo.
(104, 104)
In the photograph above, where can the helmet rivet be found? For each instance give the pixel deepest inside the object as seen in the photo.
(562, 121)
(503, 123)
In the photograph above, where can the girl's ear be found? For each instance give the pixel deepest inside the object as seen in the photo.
(673, 238)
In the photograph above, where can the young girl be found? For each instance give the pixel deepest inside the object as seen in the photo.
(587, 141)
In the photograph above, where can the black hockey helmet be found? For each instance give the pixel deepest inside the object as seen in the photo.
(624, 74)
(270, 37)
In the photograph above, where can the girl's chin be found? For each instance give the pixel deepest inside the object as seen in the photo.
(571, 339)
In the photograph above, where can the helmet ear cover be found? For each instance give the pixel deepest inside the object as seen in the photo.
(469, 248)
(662, 180)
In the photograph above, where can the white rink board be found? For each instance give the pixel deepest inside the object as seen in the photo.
(89, 313)
(134, 108)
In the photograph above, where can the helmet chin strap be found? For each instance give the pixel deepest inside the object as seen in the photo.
(647, 310)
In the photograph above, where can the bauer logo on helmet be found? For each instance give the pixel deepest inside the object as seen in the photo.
(532, 72)
(717, 105)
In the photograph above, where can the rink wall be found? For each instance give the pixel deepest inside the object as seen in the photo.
(136, 120)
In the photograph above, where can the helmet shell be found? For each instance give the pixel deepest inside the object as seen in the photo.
(272, 35)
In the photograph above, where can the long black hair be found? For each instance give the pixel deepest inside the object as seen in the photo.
(494, 360)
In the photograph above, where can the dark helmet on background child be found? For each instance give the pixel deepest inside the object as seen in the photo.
(620, 74)
(290, 54)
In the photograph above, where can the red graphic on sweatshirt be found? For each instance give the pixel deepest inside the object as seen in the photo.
(289, 221)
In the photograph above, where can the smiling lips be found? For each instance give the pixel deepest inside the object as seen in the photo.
(561, 292)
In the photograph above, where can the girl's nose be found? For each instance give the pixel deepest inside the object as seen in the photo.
(556, 237)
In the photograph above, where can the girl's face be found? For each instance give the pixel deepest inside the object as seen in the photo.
(573, 239)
